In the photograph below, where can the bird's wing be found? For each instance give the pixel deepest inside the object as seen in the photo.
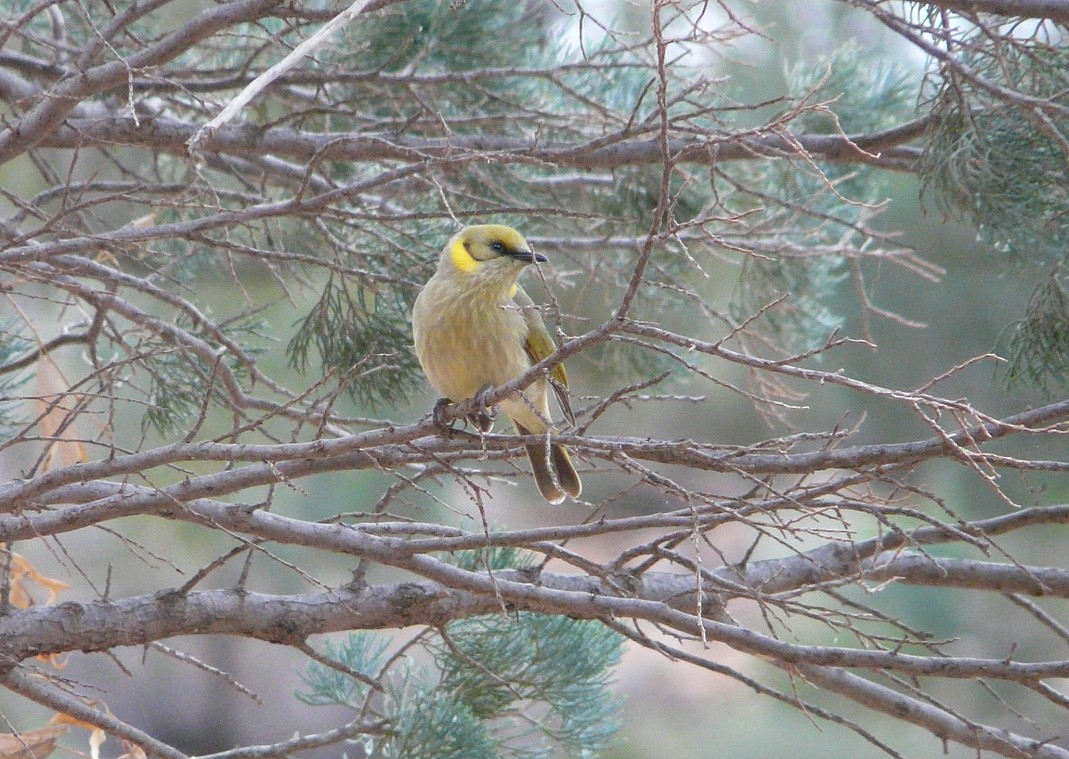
(539, 344)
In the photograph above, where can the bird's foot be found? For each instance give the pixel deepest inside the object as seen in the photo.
(438, 416)
(483, 418)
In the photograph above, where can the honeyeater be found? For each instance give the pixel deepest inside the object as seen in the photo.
(475, 327)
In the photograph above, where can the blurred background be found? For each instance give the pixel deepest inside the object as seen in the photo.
(669, 708)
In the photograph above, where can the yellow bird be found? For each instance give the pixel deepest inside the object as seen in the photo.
(474, 327)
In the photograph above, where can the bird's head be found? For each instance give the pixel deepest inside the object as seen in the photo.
(489, 253)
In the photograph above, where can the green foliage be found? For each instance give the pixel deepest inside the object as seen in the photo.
(807, 317)
(13, 345)
(432, 723)
(996, 166)
(447, 36)
(493, 558)
(865, 94)
(431, 37)
(175, 397)
(491, 663)
(499, 685)
(179, 379)
(817, 204)
(79, 29)
(1003, 169)
(362, 652)
(363, 337)
(1038, 345)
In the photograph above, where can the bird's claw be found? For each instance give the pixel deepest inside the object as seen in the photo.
(438, 416)
(483, 418)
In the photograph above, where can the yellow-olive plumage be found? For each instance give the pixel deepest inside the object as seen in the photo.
(474, 326)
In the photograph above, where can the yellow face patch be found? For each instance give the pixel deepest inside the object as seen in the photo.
(461, 258)
(512, 291)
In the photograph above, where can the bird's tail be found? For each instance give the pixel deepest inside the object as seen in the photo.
(545, 464)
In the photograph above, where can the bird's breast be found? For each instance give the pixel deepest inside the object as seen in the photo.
(464, 343)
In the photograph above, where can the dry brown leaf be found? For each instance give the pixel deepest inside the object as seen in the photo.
(31, 744)
(96, 740)
(96, 735)
(58, 410)
(22, 572)
(56, 661)
(62, 718)
(133, 751)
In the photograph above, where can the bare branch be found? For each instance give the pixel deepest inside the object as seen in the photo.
(885, 149)
(1055, 10)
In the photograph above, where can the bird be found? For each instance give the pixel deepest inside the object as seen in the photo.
(474, 327)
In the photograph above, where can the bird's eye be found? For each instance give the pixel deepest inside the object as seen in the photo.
(498, 247)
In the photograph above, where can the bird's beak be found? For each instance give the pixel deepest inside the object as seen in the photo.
(529, 257)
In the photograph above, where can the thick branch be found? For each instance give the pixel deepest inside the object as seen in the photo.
(929, 716)
(33, 127)
(39, 690)
(1055, 10)
(885, 149)
(453, 593)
